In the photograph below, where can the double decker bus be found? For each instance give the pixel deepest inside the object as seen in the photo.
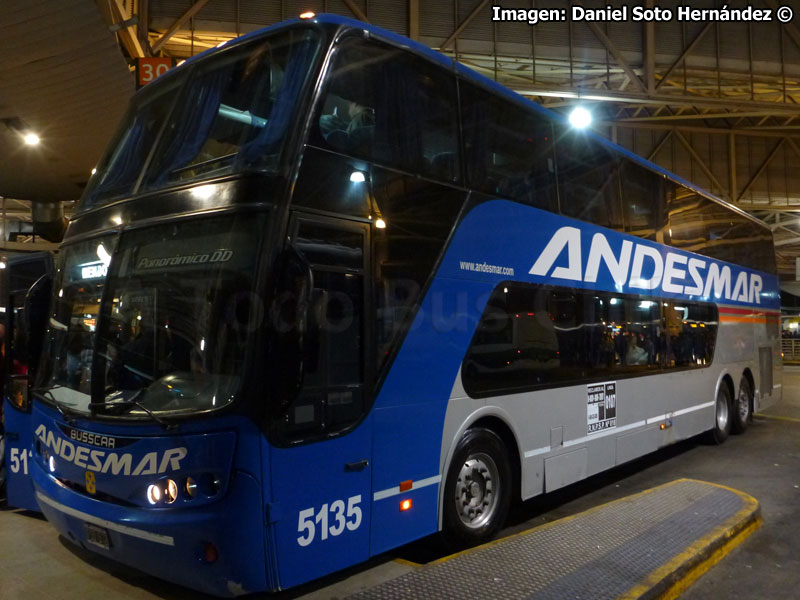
(330, 292)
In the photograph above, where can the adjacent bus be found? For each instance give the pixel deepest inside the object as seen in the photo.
(18, 274)
(330, 291)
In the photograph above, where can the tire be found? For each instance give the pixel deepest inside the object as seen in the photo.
(742, 407)
(722, 415)
(478, 489)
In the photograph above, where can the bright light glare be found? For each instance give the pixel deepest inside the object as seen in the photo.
(31, 139)
(51, 464)
(307, 15)
(171, 493)
(94, 170)
(153, 494)
(103, 254)
(580, 118)
(380, 224)
(204, 192)
(3, 265)
(357, 177)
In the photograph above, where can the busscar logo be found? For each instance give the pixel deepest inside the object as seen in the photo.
(95, 439)
(105, 461)
(644, 267)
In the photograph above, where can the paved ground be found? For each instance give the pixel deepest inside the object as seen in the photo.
(765, 463)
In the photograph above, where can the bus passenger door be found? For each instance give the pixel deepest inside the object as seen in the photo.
(321, 463)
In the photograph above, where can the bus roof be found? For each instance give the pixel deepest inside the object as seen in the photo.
(470, 75)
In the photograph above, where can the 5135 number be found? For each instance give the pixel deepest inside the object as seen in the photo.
(330, 519)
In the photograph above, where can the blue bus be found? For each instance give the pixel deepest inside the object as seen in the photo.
(330, 292)
(18, 274)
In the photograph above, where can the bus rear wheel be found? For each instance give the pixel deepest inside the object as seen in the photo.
(723, 410)
(742, 410)
(477, 491)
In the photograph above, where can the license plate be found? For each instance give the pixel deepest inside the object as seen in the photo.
(97, 536)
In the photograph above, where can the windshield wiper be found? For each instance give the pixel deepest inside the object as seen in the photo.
(47, 394)
(133, 402)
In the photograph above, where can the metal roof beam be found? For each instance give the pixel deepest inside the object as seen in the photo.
(694, 129)
(190, 12)
(698, 38)
(700, 162)
(788, 27)
(614, 51)
(761, 168)
(723, 115)
(127, 36)
(354, 8)
(463, 25)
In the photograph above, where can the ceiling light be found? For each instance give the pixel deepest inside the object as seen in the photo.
(31, 139)
(580, 118)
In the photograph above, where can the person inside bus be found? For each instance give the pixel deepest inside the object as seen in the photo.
(635, 354)
(351, 130)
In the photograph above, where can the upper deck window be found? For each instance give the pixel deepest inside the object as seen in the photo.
(231, 111)
(509, 150)
(386, 105)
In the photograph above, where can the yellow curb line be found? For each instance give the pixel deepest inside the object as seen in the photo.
(731, 533)
(695, 572)
(406, 563)
(792, 419)
(551, 523)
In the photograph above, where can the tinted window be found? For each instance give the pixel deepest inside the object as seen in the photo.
(331, 397)
(709, 228)
(691, 330)
(588, 175)
(509, 151)
(386, 105)
(532, 336)
(119, 171)
(232, 110)
(236, 106)
(643, 200)
(419, 216)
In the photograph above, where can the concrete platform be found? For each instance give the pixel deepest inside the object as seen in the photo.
(649, 545)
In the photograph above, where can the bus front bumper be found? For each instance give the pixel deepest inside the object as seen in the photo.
(216, 548)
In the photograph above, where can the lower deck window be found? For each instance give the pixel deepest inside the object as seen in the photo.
(532, 336)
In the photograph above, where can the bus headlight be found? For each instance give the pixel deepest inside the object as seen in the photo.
(153, 494)
(171, 492)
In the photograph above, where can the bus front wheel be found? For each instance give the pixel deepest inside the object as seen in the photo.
(723, 410)
(478, 488)
(742, 411)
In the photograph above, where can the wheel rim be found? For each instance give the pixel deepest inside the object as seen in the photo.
(476, 492)
(743, 404)
(722, 412)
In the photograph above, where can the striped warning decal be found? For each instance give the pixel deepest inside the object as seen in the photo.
(747, 315)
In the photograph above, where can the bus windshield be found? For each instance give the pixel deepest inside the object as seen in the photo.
(164, 325)
(213, 118)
